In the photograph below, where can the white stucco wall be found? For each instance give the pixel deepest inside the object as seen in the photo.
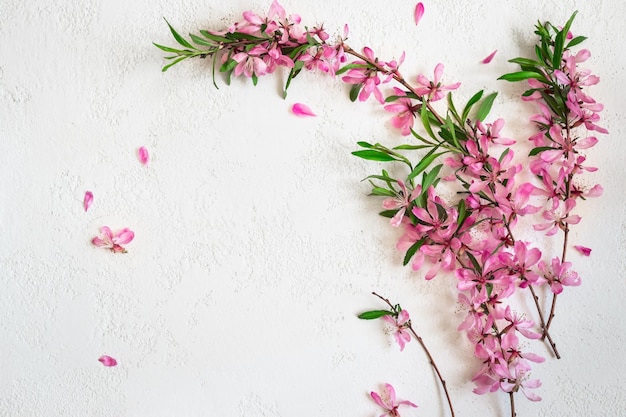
(256, 244)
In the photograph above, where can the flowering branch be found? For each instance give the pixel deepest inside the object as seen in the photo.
(473, 235)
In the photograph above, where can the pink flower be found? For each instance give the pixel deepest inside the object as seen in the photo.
(559, 274)
(585, 251)
(302, 110)
(107, 360)
(405, 112)
(143, 155)
(489, 57)
(113, 241)
(387, 400)
(87, 200)
(401, 202)
(433, 90)
(401, 323)
(419, 12)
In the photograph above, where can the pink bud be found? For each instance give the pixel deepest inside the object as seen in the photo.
(88, 200)
(143, 155)
(107, 360)
(419, 12)
(302, 110)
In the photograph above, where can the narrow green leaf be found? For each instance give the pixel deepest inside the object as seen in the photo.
(242, 36)
(463, 213)
(470, 103)
(412, 250)
(165, 68)
(198, 40)
(540, 149)
(410, 147)
(382, 192)
(475, 263)
(424, 163)
(168, 49)
(212, 37)
(503, 154)
(255, 79)
(521, 75)
(430, 178)
(179, 38)
(373, 155)
(374, 314)
(354, 91)
(388, 213)
(576, 41)
(365, 145)
(525, 61)
(425, 120)
(559, 43)
(485, 106)
(349, 67)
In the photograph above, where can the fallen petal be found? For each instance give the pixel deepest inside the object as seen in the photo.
(489, 58)
(107, 360)
(585, 251)
(143, 154)
(302, 110)
(88, 200)
(419, 12)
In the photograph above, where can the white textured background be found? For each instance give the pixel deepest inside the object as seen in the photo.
(256, 244)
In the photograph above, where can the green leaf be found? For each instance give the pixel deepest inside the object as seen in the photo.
(228, 65)
(410, 147)
(179, 38)
(349, 67)
(559, 43)
(430, 178)
(425, 120)
(485, 106)
(165, 68)
(168, 49)
(382, 192)
(540, 149)
(475, 263)
(463, 213)
(354, 91)
(522, 75)
(374, 314)
(525, 61)
(198, 40)
(470, 103)
(215, 38)
(577, 40)
(373, 155)
(503, 154)
(297, 67)
(242, 36)
(424, 163)
(255, 79)
(412, 250)
(388, 213)
(365, 145)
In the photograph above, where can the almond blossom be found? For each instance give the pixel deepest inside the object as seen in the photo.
(401, 324)
(387, 400)
(433, 90)
(113, 240)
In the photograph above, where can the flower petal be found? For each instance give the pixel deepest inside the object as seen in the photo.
(419, 12)
(489, 57)
(107, 360)
(143, 155)
(302, 110)
(585, 251)
(88, 200)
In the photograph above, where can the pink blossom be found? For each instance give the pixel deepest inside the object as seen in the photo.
(302, 110)
(143, 155)
(401, 324)
(250, 63)
(419, 12)
(87, 200)
(401, 202)
(387, 400)
(405, 112)
(559, 274)
(584, 250)
(107, 361)
(489, 57)
(113, 241)
(433, 90)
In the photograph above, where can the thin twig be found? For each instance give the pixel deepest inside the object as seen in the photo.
(544, 330)
(430, 357)
(512, 399)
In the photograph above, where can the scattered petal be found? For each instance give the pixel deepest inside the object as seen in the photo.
(88, 200)
(419, 12)
(143, 154)
(585, 251)
(302, 110)
(489, 58)
(107, 360)
(346, 31)
(113, 241)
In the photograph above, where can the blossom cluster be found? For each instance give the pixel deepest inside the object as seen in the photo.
(473, 236)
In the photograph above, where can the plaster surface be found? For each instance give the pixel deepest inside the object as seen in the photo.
(256, 243)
